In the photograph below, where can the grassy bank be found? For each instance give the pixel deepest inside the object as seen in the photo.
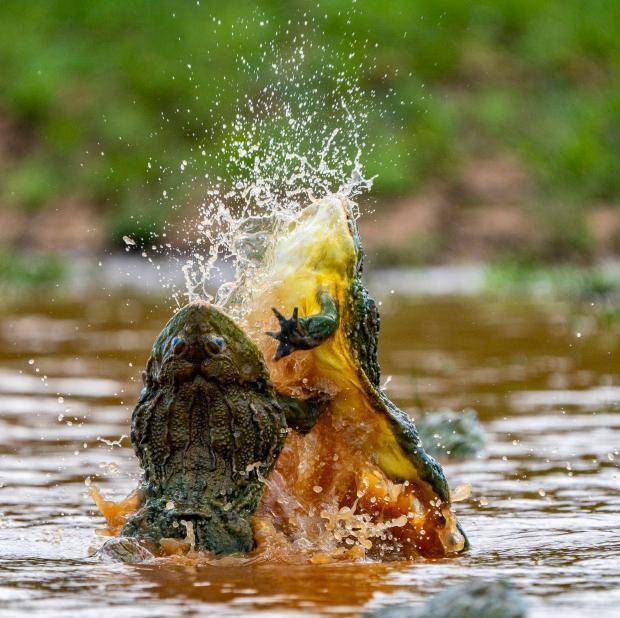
(91, 91)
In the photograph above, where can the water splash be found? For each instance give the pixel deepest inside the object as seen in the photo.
(278, 155)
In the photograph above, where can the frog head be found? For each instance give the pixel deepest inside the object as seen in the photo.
(201, 340)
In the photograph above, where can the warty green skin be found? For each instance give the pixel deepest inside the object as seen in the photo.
(361, 324)
(207, 428)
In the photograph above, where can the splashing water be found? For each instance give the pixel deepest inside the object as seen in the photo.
(279, 156)
(274, 175)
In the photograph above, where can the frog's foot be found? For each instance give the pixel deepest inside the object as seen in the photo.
(124, 549)
(308, 332)
(293, 335)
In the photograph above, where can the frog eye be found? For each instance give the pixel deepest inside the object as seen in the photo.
(215, 344)
(177, 345)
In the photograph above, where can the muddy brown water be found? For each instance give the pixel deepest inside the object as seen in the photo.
(545, 503)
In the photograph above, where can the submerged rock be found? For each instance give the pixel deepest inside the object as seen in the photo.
(457, 435)
(472, 599)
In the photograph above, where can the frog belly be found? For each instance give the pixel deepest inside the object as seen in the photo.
(349, 457)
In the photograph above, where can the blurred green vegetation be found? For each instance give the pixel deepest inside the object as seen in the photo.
(90, 91)
(578, 283)
(28, 271)
(587, 293)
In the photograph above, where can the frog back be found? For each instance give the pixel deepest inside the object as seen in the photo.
(362, 330)
(207, 442)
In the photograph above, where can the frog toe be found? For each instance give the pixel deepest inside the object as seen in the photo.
(283, 349)
(292, 334)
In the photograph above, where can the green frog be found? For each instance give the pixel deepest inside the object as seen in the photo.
(207, 429)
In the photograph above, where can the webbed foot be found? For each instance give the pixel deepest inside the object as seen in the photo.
(308, 332)
(293, 335)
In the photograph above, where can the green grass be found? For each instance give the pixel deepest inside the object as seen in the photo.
(93, 90)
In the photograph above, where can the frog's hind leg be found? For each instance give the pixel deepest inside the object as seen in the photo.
(302, 414)
(226, 534)
(305, 333)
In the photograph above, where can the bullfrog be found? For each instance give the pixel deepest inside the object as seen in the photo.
(367, 457)
(207, 429)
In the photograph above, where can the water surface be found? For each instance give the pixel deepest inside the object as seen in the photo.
(544, 508)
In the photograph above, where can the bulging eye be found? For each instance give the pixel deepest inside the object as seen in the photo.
(215, 344)
(177, 345)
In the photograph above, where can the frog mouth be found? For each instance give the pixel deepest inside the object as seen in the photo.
(211, 368)
(208, 369)
(186, 370)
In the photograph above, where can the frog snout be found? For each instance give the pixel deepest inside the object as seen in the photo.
(183, 371)
(454, 542)
(211, 368)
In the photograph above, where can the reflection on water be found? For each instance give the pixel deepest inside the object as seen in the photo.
(544, 508)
